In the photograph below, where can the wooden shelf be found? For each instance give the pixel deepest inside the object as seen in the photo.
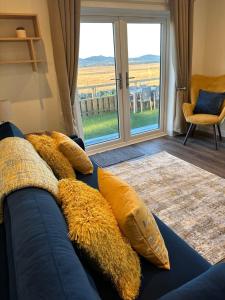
(15, 39)
(17, 16)
(34, 32)
(25, 61)
(32, 17)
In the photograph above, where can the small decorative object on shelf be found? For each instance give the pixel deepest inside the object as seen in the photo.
(21, 32)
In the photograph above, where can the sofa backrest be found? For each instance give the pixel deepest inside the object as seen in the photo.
(44, 261)
(8, 129)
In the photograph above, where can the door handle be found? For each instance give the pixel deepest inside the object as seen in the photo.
(127, 80)
(119, 80)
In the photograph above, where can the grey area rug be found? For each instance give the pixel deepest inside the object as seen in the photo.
(112, 157)
(187, 198)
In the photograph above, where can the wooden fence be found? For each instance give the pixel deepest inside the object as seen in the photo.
(98, 105)
(93, 106)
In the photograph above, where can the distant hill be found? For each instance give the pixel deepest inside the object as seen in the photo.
(109, 61)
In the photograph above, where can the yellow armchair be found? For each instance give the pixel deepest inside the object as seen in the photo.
(212, 84)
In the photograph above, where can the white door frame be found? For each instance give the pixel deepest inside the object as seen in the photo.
(121, 57)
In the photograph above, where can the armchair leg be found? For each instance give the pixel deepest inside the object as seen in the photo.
(193, 130)
(215, 137)
(188, 133)
(220, 136)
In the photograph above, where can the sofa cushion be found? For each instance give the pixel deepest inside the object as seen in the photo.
(134, 218)
(47, 148)
(93, 227)
(46, 266)
(73, 152)
(207, 286)
(209, 103)
(8, 129)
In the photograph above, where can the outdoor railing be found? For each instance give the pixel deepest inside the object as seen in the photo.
(142, 97)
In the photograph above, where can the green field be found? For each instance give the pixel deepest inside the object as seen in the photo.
(106, 123)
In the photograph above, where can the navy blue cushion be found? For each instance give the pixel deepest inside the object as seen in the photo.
(46, 266)
(4, 280)
(186, 264)
(8, 129)
(210, 285)
(209, 103)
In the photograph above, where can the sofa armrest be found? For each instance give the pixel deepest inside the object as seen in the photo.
(207, 286)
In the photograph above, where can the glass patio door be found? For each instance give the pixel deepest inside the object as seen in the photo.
(99, 82)
(143, 76)
(120, 79)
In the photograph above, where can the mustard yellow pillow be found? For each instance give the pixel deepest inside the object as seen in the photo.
(74, 153)
(47, 149)
(94, 228)
(135, 220)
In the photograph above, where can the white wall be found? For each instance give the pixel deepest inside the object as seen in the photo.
(34, 95)
(209, 39)
(214, 60)
(199, 36)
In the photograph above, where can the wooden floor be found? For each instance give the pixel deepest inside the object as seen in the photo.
(199, 150)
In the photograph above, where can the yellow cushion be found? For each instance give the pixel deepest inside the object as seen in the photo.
(94, 228)
(135, 220)
(47, 149)
(203, 119)
(74, 153)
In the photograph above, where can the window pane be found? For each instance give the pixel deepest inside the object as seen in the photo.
(97, 86)
(144, 76)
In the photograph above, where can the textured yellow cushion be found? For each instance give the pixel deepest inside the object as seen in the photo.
(47, 149)
(73, 152)
(135, 220)
(94, 228)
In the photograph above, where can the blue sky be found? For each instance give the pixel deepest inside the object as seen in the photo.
(97, 39)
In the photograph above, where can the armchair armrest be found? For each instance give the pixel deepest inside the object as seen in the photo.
(188, 109)
(222, 115)
(207, 286)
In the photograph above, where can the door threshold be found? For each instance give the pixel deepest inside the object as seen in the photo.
(104, 148)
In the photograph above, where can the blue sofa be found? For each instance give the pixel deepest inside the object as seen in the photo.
(38, 261)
